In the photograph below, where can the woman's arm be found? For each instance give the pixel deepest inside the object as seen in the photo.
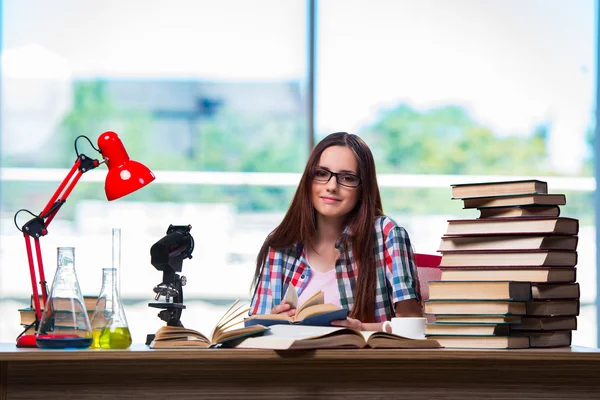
(409, 308)
(406, 308)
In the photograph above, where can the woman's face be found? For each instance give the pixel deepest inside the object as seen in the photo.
(332, 199)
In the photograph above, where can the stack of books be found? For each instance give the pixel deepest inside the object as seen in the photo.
(27, 314)
(508, 278)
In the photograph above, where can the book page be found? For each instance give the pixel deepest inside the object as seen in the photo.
(291, 297)
(315, 310)
(276, 317)
(282, 337)
(317, 298)
(179, 333)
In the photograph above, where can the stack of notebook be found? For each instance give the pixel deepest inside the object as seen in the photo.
(508, 277)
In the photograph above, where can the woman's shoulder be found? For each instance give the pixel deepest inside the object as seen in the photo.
(385, 224)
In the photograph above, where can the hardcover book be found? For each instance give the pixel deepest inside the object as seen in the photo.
(531, 274)
(225, 332)
(485, 189)
(482, 342)
(523, 226)
(522, 258)
(546, 324)
(519, 211)
(526, 200)
(480, 290)
(312, 312)
(507, 243)
(302, 337)
(467, 329)
(461, 307)
(547, 339)
(478, 319)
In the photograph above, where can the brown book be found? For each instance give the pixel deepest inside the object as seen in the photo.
(478, 319)
(526, 200)
(467, 329)
(500, 188)
(546, 291)
(515, 226)
(481, 342)
(302, 337)
(225, 332)
(519, 211)
(27, 316)
(546, 339)
(479, 290)
(521, 258)
(61, 303)
(462, 307)
(552, 274)
(507, 242)
(546, 324)
(549, 308)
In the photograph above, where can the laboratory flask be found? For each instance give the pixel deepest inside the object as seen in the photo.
(65, 322)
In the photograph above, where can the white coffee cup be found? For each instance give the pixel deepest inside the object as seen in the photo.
(408, 327)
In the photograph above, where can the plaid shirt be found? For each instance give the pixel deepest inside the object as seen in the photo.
(396, 272)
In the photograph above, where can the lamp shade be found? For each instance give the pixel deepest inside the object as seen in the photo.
(124, 174)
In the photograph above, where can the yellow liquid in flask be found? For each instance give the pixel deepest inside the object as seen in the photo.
(115, 338)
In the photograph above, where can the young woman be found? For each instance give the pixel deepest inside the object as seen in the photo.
(335, 238)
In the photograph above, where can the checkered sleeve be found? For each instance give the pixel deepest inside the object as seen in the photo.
(262, 301)
(400, 267)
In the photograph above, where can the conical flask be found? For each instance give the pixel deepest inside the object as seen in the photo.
(65, 322)
(109, 324)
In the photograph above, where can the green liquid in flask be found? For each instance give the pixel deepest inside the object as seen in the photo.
(115, 338)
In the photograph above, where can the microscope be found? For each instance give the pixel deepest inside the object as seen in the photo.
(167, 255)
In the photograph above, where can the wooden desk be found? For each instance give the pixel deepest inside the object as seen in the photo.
(141, 373)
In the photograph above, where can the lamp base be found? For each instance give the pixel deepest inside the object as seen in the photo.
(26, 341)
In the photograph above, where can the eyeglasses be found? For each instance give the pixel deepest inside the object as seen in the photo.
(343, 178)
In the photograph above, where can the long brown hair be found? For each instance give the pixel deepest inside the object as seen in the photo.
(299, 223)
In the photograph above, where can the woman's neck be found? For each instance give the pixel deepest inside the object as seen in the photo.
(328, 229)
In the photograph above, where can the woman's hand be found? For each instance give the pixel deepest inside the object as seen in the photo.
(349, 323)
(284, 308)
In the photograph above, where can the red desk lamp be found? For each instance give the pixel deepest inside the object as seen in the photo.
(124, 176)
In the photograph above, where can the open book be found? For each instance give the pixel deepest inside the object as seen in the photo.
(312, 312)
(300, 337)
(225, 332)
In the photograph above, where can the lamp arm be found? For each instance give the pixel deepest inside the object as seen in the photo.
(38, 227)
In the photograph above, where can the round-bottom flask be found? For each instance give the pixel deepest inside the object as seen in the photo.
(65, 322)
